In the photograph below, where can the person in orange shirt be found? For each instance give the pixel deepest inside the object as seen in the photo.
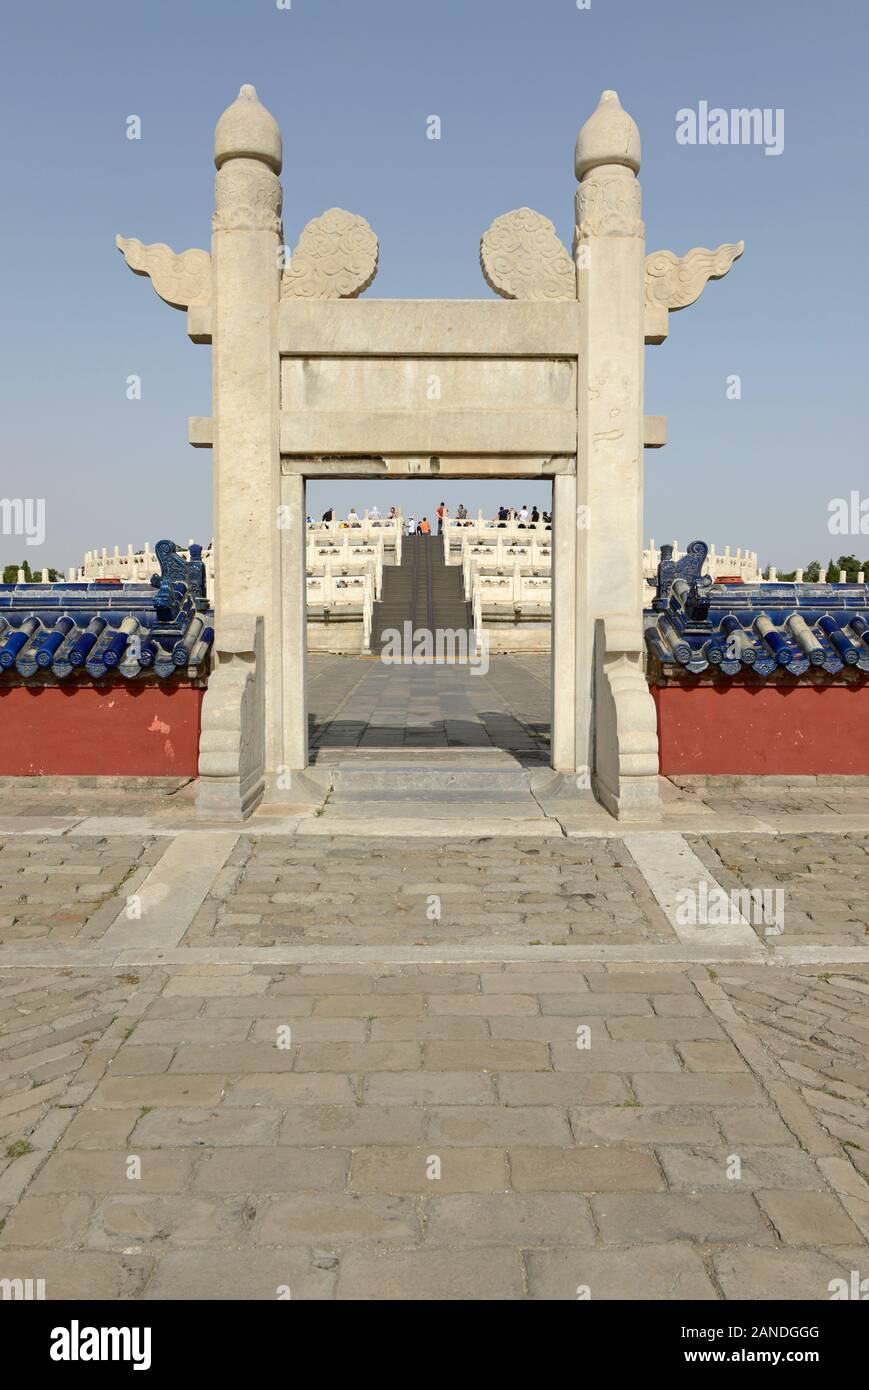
(424, 529)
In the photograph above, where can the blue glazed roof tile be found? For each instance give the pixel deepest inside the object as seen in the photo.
(68, 629)
(695, 625)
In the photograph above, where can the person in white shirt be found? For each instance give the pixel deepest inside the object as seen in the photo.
(523, 515)
(410, 526)
(352, 517)
(373, 513)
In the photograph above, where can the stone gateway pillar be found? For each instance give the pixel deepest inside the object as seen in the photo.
(246, 256)
(615, 721)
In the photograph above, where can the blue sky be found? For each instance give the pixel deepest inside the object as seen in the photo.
(352, 83)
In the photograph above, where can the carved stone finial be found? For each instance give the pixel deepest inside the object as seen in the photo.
(336, 258)
(179, 279)
(522, 257)
(248, 153)
(674, 282)
(609, 136)
(246, 130)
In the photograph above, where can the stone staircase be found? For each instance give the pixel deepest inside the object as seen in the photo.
(422, 590)
(442, 785)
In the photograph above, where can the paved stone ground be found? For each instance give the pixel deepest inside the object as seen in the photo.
(824, 879)
(374, 891)
(347, 1064)
(816, 1026)
(427, 1133)
(56, 891)
(363, 703)
(325, 889)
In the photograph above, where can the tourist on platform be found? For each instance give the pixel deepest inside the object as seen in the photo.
(547, 520)
(503, 516)
(441, 515)
(353, 517)
(374, 513)
(462, 512)
(423, 529)
(329, 514)
(535, 515)
(523, 516)
(410, 526)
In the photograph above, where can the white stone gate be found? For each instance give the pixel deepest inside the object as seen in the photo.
(309, 381)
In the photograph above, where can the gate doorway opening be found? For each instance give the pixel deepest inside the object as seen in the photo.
(454, 658)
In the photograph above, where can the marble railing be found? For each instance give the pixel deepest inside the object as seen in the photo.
(387, 529)
(348, 558)
(345, 596)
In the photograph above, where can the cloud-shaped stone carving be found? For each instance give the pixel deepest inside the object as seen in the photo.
(522, 258)
(181, 279)
(336, 258)
(674, 282)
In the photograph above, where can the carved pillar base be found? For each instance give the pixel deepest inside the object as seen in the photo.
(288, 791)
(232, 739)
(625, 729)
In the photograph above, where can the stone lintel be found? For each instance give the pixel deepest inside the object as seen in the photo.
(428, 431)
(428, 327)
(448, 466)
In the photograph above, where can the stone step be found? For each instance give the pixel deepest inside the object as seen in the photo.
(471, 780)
(423, 809)
(421, 591)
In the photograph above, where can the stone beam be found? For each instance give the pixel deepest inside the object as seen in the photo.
(448, 466)
(427, 327)
(428, 431)
(199, 318)
(654, 431)
(200, 431)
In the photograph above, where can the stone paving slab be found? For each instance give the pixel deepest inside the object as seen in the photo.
(360, 890)
(823, 880)
(631, 1130)
(57, 892)
(357, 702)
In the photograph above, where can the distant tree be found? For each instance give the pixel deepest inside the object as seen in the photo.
(832, 575)
(812, 573)
(788, 576)
(850, 564)
(10, 574)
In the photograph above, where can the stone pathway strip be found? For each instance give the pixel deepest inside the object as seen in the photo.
(688, 894)
(127, 900)
(171, 894)
(374, 1133)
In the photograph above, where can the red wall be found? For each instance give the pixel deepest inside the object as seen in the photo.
(756, 729)
(133, 730)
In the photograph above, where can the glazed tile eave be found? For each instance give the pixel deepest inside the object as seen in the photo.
(93, 631)
(760, 631)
